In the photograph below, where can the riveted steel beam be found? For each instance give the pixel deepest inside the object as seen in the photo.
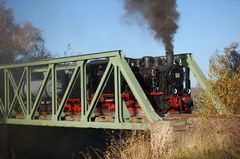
(118, 98)
(68, 91)
(99, 91)
(102, 125)
(1, 107)
(204, 84)
(39, 95)
(16, 93)
(54, 86)
(136, 89)
(6, 92)
(28, 87)
(84, 57)
(83, 85)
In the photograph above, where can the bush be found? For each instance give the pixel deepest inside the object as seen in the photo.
(224, 73)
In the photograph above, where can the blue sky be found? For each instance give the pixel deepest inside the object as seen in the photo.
(99, 25)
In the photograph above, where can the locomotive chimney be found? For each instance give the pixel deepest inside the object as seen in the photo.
(169, 58)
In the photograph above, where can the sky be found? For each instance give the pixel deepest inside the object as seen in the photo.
(101, 25)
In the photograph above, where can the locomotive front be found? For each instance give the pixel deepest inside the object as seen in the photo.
(166, 83)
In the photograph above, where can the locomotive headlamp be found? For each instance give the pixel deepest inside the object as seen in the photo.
(175, 91)
(178, 61)
(189, 91)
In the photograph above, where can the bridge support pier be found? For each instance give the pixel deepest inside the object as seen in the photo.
(166, 136)
(198, 134)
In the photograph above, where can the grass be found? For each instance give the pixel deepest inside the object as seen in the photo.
(134, 144)
(212, 138)
(217, 138)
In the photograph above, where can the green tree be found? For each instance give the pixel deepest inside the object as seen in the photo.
(224, 73)
(19, 42)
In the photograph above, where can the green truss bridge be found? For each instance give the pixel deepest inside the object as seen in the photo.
(15, 77)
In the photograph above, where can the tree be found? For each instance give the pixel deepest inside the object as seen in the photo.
(19, 42)
(224, 73)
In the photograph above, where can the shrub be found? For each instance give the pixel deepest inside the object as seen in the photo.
(224, 73)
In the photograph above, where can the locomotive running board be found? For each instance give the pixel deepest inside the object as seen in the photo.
(11, 98)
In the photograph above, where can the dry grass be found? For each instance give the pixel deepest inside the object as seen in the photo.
(216, 138)
(134, 144)
(92, 153)
(213, 138)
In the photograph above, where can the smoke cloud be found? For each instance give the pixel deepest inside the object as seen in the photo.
(161, 16)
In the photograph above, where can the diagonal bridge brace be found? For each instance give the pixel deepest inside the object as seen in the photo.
(188, 61)
(16, 92)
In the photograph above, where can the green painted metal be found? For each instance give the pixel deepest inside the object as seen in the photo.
(6, 93)
(98, 92)
(118, 98)
(84, 57)
(66, 95)
(204, 84)
(77, 124)
(1, 107)
(117, 66)
(77, 66)
(83, 86)
(39, 95)
(135, 87)
(28, 84)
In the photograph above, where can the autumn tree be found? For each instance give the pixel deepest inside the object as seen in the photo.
(19, 42)
(224, 73)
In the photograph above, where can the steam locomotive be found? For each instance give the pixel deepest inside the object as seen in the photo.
(166, 86)
(165, 82)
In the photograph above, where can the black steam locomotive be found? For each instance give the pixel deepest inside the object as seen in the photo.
(167, 85)
(165, 82)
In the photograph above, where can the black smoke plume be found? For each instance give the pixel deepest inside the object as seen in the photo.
(161, 16)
